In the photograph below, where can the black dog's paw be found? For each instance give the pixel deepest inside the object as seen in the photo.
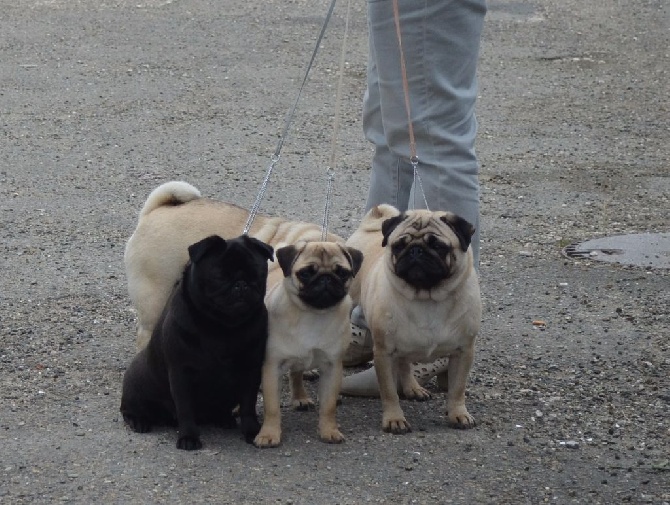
(250, 428)
(137, 423)
(250, 437)
(189, 443)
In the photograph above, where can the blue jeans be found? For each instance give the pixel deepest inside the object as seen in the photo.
(440, 40)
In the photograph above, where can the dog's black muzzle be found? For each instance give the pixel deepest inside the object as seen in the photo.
(323, 291)
(420, 268)
(240, 288)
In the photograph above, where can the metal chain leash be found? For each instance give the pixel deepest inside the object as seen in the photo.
(330, 171)
(289, 119)
(326, 211)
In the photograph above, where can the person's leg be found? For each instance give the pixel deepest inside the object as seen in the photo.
(440, 41)
(390, 175)
(441, 46)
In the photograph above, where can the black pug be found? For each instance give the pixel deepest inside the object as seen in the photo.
(206, 352)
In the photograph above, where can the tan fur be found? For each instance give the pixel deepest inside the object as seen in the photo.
(300, 338)
(175, 216)
(410, 325)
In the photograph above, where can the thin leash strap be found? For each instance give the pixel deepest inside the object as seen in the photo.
(414, 159)
(330, 172)
(287, 124)
(326, 210)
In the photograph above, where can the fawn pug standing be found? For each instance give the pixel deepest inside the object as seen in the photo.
(309, 328)
(419, 292)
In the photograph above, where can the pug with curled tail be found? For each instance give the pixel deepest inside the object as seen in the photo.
(420, 295)
(308, 306)
(175, 215)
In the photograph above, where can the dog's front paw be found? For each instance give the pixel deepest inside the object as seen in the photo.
(189, 443)
(302, 404)
(331, 436)
(137, 424)
(250, 428)
(417, 393)
(267, 438)
(397, 426)
(460, 418)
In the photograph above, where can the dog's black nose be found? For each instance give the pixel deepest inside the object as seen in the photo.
(240, 286)
(325, 281)
(415, 252)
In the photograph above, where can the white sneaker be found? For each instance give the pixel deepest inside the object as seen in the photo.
(360, 348)
(365, 383)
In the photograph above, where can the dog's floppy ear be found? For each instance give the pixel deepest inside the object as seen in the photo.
(285, 257)
(389, 225)
(355, 258)
(463, 229)
(265, 249)
(197, 251)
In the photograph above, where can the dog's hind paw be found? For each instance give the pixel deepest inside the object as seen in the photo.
(189, 443)
(332, 436)
(461, 419)
(137, 424)
(302, 404)
(418, 393)
(310, 375)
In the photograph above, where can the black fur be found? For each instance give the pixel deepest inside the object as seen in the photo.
(206, 352)
(462, 228)
(389, 225)
(285, 257)
(355, 259)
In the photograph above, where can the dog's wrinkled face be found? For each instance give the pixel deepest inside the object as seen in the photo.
(426, 248)
(228, 277)
(319, 272)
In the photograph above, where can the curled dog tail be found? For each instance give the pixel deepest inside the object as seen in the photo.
(170, 193)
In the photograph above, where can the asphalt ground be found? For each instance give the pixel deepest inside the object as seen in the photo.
(101, 101)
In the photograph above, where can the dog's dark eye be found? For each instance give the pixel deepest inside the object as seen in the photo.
(342, 273)
(305, 274)
(398, 247)
(438, 246)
